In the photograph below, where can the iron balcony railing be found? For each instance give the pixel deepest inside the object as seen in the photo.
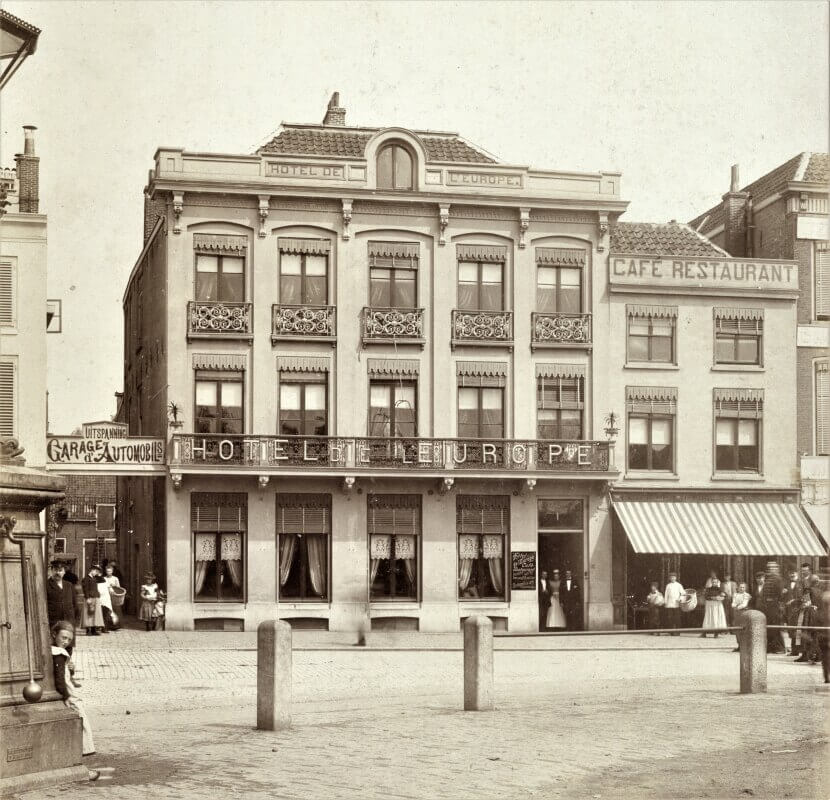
(393, 324)
(303, 322)
(482, 327)
(380, 453)
(556, 330)
(219, 319)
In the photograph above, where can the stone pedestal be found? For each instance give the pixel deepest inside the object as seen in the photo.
(40, 742)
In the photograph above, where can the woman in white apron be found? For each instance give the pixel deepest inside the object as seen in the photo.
(556, 616)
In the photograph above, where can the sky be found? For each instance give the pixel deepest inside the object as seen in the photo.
(670, 94)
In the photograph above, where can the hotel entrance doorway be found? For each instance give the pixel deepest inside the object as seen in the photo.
(561, 546)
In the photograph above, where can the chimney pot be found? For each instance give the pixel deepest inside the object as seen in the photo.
(735, 183)
(29, 140)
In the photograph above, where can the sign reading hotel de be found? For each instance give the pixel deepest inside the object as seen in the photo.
(699, 273)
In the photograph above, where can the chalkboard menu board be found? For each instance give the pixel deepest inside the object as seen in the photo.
(523, 569)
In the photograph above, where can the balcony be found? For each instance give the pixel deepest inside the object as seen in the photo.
(560, 330)
(482, 328)
(303, 322)
(219, 320)
(344, 455)
(393, 325)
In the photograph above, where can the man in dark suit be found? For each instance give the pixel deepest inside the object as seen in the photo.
(544, 600)
(570, 596)
(60, 596)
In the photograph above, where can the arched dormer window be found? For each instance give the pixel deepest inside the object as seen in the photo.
(395, 167)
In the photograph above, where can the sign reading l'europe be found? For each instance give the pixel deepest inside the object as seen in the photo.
(699, 273)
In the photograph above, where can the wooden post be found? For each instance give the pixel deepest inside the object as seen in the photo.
(753, 655)
(478, 663)
(273, 676)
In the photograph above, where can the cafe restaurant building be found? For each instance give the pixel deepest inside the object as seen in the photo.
(700, 366)
(372, 354)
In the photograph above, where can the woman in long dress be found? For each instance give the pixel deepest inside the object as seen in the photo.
(92, 619)
(556, 616)
(714, 616)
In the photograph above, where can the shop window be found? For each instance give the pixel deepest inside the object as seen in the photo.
(651, 427)
(651, 334)
(559, 407)
(483, 528)
(480, 412)
(219, 522)
(393, 408)
(822, 275)
(558, 290)
(822, 408)
(394, 523)
(395, 167)
(303, 534)
(393, 275)
(480, 286)
(738, 336)
(219, 402)
(303, 405)
(738, 416)
(303, 278)
(220, 278)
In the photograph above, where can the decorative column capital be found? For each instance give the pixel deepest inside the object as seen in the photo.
(524, 224)
(602, 218)
(178, 207)
(443, 222)
(347, 219)
(264, 208)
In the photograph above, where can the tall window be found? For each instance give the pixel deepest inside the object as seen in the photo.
(394, 522)
(303, 406)
(559, 290)
(303, 531)
(219, 522)
(395, 168)
(393, 408)
(480, 286)
(219, 402)
(220, 278)
(559, 404)
(738, 335)
(483, 526)
(822, 280)
(651, 416)
(303, 278)
(393, 275)
(651, 332)
(822, 408)
(480, 412)
(738, 414)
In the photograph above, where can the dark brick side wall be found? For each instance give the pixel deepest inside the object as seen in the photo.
(28, 176)
(154, 208)
(803, 253)
(734, 213)
(91, 485)
(774, 231)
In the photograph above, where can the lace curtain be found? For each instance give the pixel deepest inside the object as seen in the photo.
(473, 546)
(288, 546)
(230, 552)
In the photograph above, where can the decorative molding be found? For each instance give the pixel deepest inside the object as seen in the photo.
(219, 361)
(560, 256)
(264, 207)
(178, 208)
(303, 364)
(443, 222)
(524, 224)
(347, 220)
(655, 312)
(602, 217)
(493, 253)
(491, 369)
(409, 368)
(219, 201)
(387, 209)
(560, 370)
(221, 243)
(541, 215)
(480, 212)
(327, 206)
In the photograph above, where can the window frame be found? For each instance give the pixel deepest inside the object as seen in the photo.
(393, 146)
(736, 422)
(393, 270)
(650, 417)
(480, 395)
(557, 288)
(820, 365)
(410, 382)
(314, 501)
(560, 405)
(221, 256)
(650, 339)
(304, 301)
(820, 280)
(758, 335)
(302, 410)
(242, 530)
(755, 415)
(479, 283)
(392, 598)
(506, 547)
(218, 377)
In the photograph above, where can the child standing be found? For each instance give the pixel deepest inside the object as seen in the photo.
(149, 597)
(63, 634)
(655, 601)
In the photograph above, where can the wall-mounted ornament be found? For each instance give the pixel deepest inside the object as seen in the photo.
(264, 208)
(603, 231)
(178, 207)
(176, 478)
(262, 480)
(347, 219)
(524, 224)
(443, 222)
(348, 484)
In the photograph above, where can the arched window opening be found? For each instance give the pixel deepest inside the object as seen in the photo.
(395, 168)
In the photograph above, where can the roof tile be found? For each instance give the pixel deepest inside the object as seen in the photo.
(665, 239)
(818, 169)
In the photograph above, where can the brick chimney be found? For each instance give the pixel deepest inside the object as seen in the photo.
(334, 114)
(155, 206)
(734, 217)
(28, 173)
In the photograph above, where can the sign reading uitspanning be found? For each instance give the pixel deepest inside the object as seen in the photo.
(699, 273)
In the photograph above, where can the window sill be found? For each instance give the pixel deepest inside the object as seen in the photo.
(737, 368)
(492, 605)
(738, 476)
(651, 475)
(649, 365)
(303, 605)
(383, 605)
(219, 605)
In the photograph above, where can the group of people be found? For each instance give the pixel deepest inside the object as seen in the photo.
(560, 602)
(87, 603)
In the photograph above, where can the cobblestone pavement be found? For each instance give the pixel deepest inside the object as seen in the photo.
(371, 723)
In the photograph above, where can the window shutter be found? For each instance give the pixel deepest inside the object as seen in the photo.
(7, 398)
(739, 403)
(822, 409)
(303, 513)
(6, 295)
(822, 282)
(482, 514)
(394, 514)
(213, 512)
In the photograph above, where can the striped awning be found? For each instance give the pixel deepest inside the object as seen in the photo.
(734, 529)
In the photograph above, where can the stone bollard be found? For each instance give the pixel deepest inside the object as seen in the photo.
(273, 675)
(478, 663)
(753, 646)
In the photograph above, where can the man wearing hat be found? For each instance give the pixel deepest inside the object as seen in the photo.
(60, 595)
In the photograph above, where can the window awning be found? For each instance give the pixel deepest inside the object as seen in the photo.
(734, 529)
